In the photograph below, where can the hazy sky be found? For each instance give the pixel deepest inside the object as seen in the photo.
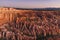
(30, 3)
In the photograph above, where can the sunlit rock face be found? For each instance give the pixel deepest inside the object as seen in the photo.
(5, 15)
(2, 18)
(9, 14)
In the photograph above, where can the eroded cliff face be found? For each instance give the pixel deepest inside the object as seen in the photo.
(29, 24)
(10, 14)
(5, 15)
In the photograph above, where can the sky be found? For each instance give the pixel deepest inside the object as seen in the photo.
(30, 3)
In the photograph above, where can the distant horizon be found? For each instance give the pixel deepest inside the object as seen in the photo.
(26, 8)
(30, 3)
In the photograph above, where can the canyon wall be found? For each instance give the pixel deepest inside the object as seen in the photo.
(10, 14)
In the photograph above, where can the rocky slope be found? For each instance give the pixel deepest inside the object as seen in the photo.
(29, 24)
